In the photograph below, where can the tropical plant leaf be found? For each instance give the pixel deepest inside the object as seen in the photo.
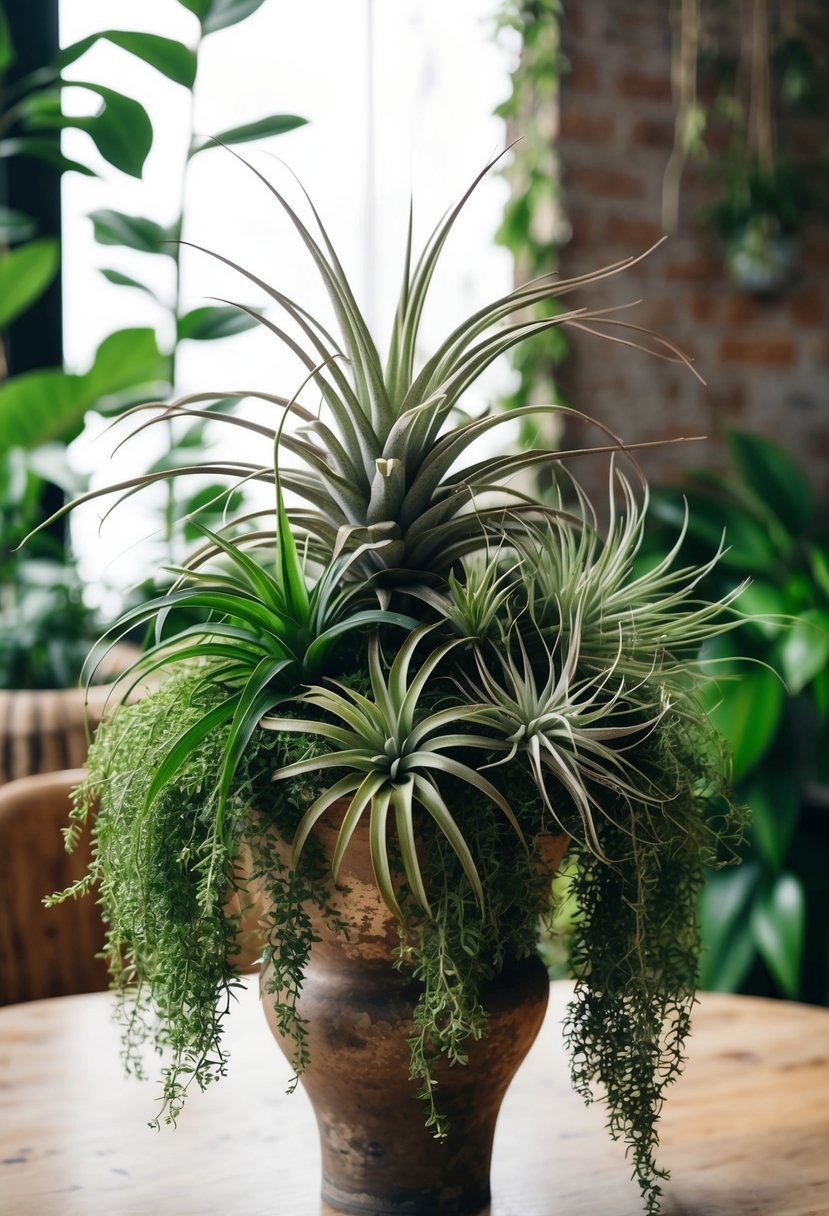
(121, 131)
(25, 274)
(773, 799)
(133, 231)
(778, 923)
(173, 59)
(776, 481)
(725, 927)
(804, 649)
(221, 14)
(261, 128)
(213, 321)
(124, 280)
(45, 148)
(40, 406)
(15, 226)
(744, 702)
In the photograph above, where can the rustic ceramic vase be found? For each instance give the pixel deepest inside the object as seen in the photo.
(377, 1155)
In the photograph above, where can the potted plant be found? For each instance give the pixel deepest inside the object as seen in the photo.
(407, 695)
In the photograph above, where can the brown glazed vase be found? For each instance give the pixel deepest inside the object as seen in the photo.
(377, 1155)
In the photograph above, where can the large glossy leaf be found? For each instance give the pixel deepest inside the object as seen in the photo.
(748, 544)
(778, 922)
(15, 226)
(41, 406)
(764, 602)
(173, 59)
(45, 148)
(774, 478)
(133, 231)
(804, 649)
(744, 702)
(121, 130)
(214, 321)
(25, 273)
(773, 798)
(727, 942)
(262, 128)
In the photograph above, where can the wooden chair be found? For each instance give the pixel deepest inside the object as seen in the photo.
(44, 952)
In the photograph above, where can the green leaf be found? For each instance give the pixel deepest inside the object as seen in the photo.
(41, 406)
(774, 478)
(198, 7)
(133, 231)
(262, 128)
(764, 602)
(219, 14)
(7, 53)
(213, 321)
(45, 148)
(727, 943)
(121, 130)
(804, 649)
(778, 922)
(819, 563)
(748, 545)
(773, 799)
(745, 708)
(124, 280)
(126, 359)
(15, 226)
(173, 59)
(25, 274)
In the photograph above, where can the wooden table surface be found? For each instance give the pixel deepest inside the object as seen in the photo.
(745, 1131)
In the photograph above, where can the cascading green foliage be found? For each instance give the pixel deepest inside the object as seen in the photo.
(463, 669)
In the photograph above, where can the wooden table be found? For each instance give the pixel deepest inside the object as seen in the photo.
(745, 1131)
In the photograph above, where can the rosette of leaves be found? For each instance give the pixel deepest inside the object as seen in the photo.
(509, 706)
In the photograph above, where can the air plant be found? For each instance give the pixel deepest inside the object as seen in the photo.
(452, 660)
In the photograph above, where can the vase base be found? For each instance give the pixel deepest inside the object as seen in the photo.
(407, 1202)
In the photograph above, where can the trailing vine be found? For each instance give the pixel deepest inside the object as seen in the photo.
(171, 895)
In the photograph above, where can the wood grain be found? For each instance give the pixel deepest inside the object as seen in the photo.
(745, 1131)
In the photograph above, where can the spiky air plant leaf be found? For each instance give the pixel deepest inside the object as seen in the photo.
(384, 460)
(394, 759)
(641, 622)
(264, 631)
(569, 727)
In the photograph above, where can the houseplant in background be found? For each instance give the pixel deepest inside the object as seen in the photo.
(419, 684)
(764, 924)
(46, 622)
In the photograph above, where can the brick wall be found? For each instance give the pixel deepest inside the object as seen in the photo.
(765, 360)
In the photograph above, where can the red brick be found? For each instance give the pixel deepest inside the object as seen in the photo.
(604, 183)
(768, 352)
(587, 128)
(581, 229)
(703, 307)
(641, 86)
(808, 307)
(724, 308)
(816, 253)
(698, 269)
(582, 74)
(739, 308)
(653, 133)
(635, 235)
